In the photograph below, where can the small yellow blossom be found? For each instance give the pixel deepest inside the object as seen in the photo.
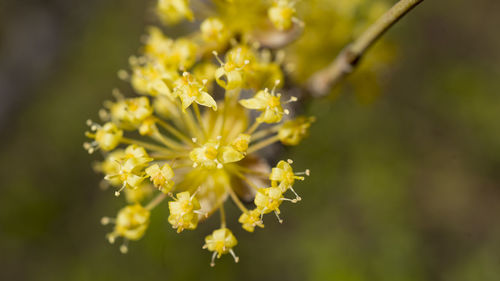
(161, 177)
(213, 30)
(183, 53)
(282, 176)
(130, 171)
(229, 76)
(281, 14)
(206, 155)
(293, 131)
(148, 127)
(157, 45)
(131, 224)
(268, 103)
(111, 166)
(107, 137)
(249, 220)
(173, 11)
(221, 241)
(241, 142)
(129, 113)
(183, 211)
(268, 199)
(151, 78)
(242, 56)
(190, 90)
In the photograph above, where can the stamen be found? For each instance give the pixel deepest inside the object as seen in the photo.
(212, 262)
(288, 199)
(292, 99)
(111, 238)
(217, 57)
(297, 197)
(117, 193)
(123, 74)
(236, 258)
(107, 220)
(276, 83)
(278, 216)
(124, 247)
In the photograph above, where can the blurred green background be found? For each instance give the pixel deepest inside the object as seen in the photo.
(405, 188)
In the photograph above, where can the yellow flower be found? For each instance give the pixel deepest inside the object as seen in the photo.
(161, 177)
(282, 176)
(129, 113)
(183, 54)
(281, 14)
(111, 166)
(130, 171)
(131, 223)
(229, 76)
(249, 220)
(151, 78)
(293, 131)
(183, 211)
(213, 30)
(157, 45)
(269, 199)
(268, 103)
(241, 142)
(212, 155)
(173, 11)
(190, 90)
(206, 155)
(221, 241)
(107, 137)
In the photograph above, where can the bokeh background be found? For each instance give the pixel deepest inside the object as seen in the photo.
(406, 187)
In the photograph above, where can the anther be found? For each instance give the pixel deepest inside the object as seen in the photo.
(236, 258)
(278, 216)
(105, 220)
(123, 74)
(123, 249)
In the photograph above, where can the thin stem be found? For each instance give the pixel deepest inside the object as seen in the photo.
(241, 176)
(265, 132)
(146, 145)
(222, 216)
(254, 127)
(157, 200)
(198, 117)
(263, 143)
(174, 131)
(324, 80)
(167, 141)
(236, 200)
(250, 171)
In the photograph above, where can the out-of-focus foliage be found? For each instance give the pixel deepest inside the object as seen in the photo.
(406, 188)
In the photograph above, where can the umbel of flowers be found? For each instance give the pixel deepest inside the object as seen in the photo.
(177, 142)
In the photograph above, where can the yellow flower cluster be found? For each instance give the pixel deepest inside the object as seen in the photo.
(208, 104)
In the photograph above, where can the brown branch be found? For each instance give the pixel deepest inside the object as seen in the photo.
(324, 80)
